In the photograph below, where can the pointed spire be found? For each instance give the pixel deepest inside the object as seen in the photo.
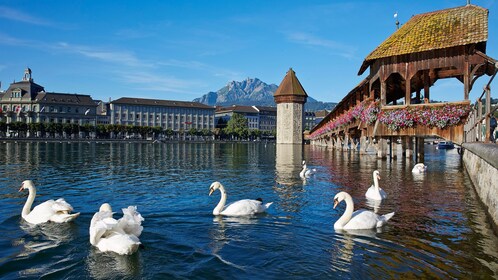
(290, 89)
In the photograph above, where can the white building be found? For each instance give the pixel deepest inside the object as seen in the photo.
(179, 116)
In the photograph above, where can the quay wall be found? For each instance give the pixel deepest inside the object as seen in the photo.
(481, 162)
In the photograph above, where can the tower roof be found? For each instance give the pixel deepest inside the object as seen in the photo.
(290, 85)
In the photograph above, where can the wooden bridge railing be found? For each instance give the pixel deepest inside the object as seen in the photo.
(473, 129)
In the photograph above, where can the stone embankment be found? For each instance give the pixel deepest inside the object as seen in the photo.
(481, 162)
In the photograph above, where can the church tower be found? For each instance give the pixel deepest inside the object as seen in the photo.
(290, 98)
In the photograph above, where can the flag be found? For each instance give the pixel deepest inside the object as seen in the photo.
(18, 109)
(87, 111)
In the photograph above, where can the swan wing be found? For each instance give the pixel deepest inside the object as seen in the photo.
(131, 222)
(244, 207)
(382, 220)
(60, 205)
(372, 193)
(41, 213)
(119, 243)
(101, 225)
(362, 219)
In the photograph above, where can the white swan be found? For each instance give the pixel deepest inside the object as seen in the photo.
(57, 211)
(238, 208)
(306, 172)
(119, 236)
(375, 192)
(359, 219)
(419, 168)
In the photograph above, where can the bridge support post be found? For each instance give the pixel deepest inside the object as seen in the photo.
(363, 143)
(345, 147)
(382, 148)
(337, 144)
(420, 149)
(407, 140)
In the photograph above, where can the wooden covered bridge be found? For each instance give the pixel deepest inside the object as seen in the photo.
(394, 101)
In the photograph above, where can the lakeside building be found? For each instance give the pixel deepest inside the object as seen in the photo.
(178, 116)
(28, 102)
(263, 118)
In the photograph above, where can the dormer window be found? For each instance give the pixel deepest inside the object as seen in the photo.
(16, 93)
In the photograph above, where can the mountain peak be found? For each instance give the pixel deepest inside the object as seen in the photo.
(252, 92)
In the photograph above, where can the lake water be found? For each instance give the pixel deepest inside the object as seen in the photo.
(440, 229)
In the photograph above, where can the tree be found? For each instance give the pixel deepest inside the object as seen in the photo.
(169, 132)
(192, 132)
(3, 128)
(237, 126)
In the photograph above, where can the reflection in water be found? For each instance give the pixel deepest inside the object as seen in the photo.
(45, 236)
(374, 204)
(288, 164)
(440, 229)
(109, 265)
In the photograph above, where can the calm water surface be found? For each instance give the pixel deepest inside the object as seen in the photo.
(439, 230)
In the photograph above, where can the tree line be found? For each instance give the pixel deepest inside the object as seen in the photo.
(235, 129)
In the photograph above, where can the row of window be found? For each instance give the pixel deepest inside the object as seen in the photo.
(34, 108)
(160, 109)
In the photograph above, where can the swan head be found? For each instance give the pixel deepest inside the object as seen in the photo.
(304, 162)
(339, 197)
(214, 186)
(376, 174)
(105, 207)
(26, 184)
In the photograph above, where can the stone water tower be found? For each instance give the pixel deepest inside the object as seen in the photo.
(290, 97)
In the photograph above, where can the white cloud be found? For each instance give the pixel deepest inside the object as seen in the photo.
(16, 15)
(310, 40)
(119, 57)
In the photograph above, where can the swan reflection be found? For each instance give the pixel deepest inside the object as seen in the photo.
(45, 236)
(108, 265)
(374, 204)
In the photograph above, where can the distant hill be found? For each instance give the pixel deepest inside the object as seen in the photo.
(253, 92)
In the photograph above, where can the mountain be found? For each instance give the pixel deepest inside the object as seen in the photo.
(253, 92)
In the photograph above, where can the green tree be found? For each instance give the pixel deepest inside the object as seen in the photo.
(169, 132)
(3, 128)
(237, 126)
(192, 132)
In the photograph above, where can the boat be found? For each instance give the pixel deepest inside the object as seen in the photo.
(445, 145)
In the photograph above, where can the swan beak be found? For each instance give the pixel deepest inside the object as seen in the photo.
(335, 203)
(22, 187)
(211, 191)
(378, 177)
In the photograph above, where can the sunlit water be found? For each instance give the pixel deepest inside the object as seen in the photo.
(440, 230)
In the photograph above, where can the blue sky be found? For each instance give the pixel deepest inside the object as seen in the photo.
(180, 50)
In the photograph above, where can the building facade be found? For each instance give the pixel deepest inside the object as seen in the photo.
(26, 101)
(261, 118)
(178, 116)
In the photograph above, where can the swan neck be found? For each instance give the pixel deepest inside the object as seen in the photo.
(31, 197)
(376, 182)
(217, 210)
(346, 216)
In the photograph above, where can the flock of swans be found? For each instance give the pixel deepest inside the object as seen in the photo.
(121, 236)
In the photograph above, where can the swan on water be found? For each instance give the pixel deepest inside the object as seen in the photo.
(57, 211)
(359, 219)
(118, 236)
(419, 168)
(306, 172)
(238, 208)
(375, 192)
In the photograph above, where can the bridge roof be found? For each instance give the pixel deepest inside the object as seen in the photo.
(290, 85)
(434, 30)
